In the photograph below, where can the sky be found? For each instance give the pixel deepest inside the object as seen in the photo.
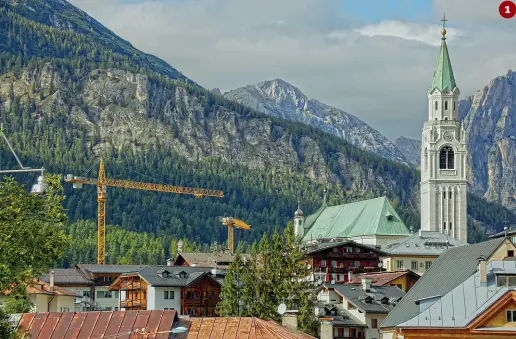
(374, 59)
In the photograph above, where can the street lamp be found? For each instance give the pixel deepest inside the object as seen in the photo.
(37, 188)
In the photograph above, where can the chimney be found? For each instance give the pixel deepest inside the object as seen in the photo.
(170, 262)
(351, 276)
(482, 270)
(420, 232)
(366, 284)
(326, 328)
(289, 319)
(52, 273)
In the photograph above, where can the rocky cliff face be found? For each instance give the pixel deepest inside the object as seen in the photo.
(410, 148)
(281, 99)
(123, 111)
(490, 120)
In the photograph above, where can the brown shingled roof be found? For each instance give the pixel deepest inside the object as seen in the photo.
(41, 287)
(248, 328)
(119, 324)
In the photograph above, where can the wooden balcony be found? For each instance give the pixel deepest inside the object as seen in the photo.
(131, 304)
(352, 255)
(350, 269)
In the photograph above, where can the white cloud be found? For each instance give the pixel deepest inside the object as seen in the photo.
(378, 72)
(428, 34)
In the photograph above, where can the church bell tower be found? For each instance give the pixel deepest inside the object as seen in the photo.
(443, 155)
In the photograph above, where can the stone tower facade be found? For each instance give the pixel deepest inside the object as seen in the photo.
(443, 156)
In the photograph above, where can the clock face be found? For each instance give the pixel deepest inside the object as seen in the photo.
(447, 136)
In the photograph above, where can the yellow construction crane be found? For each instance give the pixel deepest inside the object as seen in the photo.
(231, 223)
(102, 183)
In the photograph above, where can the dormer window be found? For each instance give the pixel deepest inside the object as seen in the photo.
(163, 273)
(506, 280)
(389, 216)
(182, 274)
(368, 299)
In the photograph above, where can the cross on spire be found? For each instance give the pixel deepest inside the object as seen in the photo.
(444, 21)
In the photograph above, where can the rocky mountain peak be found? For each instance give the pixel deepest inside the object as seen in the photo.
(283, 100)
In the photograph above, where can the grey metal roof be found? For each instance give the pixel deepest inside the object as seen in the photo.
(357, 296)
(464, 303)
(213, 260)
(423, 243)
(151, 276)
(67, 276)
(448, 271)
(97, 268)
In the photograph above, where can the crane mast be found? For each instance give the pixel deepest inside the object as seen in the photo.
(102, 182)
(231, 223)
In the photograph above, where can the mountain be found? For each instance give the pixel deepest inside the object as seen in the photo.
(280, 99)
(410, 148)
(489, 118)
(69, 98)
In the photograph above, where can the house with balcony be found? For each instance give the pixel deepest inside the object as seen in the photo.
(354, 311)
(192, 291)
(91, 282)
(404, 280)
(339, 262)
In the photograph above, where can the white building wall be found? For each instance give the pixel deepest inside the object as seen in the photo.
(156, 298)
(376, 240)
(110, 303)
(391, 263)
(373, 333)
(78, 307)
(64, 304)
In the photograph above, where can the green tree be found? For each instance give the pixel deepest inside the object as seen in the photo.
(32, 237)
(275, 274)
(232, 291)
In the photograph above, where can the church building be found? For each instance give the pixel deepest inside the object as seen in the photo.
(443, 156)
(369, 222)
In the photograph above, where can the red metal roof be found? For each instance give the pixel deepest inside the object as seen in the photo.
(96, 325)
(381, 278)
(237, 328)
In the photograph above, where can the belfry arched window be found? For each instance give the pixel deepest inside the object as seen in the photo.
(446, 158)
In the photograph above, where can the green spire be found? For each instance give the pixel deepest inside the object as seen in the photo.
(443, 76)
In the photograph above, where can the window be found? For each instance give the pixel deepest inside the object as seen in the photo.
(351, 306)
(451, 225)
(510, 253)
(116, 308)
(446, 158)
(444, 225)
(436, 105)
(335, 249)
(444, 195)
(333, 263)
(374, 323)
(86, 294)
(454, 105)
(506, 280)
(211, 295)
(399, 264)
(427, 264)
(323, 263)
(104, 294)
(165, 294)
(171, 294)
(108, 308)
(413, 265)
(64, 309)
(446, 105)
(117, 294)
(193, 311)
(511, 316)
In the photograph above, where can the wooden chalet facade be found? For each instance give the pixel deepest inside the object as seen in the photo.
(189, 291)
(341, 261)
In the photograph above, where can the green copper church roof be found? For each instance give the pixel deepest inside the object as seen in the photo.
(368, 217)
(443, 76)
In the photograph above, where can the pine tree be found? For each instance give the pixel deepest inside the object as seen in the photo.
(232, 291)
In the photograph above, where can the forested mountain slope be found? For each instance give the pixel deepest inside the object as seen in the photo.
(67, 109)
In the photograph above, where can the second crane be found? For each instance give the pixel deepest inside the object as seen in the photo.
(102, 183)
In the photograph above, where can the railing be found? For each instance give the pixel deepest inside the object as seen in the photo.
(351, 269)
(350, 255)
(133, 303)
